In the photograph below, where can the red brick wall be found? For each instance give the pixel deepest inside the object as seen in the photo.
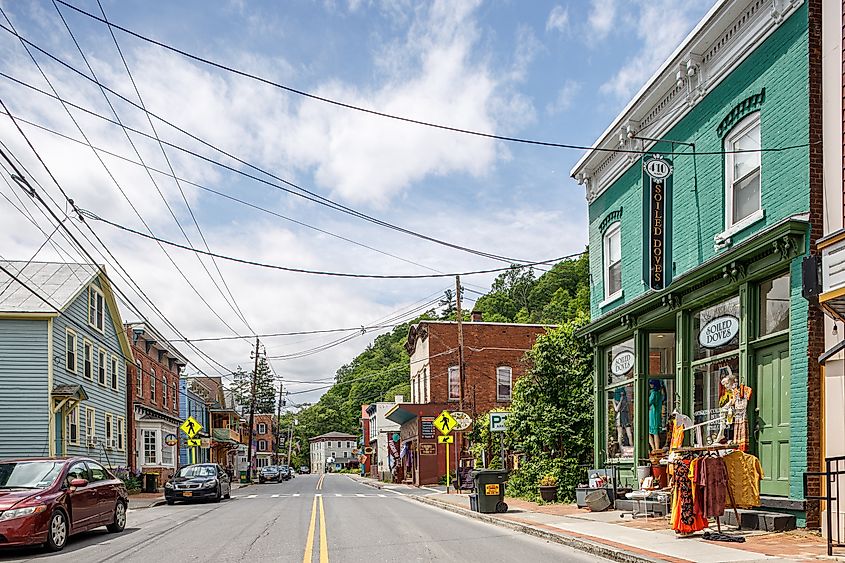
(486, 347)
(268, 435)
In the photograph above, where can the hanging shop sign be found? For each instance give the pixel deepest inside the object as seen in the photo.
(622, 363)
(657, 179)
(428, 449)
(464, 420)
(718, 331)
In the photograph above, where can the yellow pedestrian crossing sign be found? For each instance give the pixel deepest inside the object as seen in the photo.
(194, 442)
(191, 427)
(445, 423)
(445, 439)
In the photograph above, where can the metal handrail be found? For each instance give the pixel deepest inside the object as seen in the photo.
(834, 468)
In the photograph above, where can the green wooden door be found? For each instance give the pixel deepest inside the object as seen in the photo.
(772, 424)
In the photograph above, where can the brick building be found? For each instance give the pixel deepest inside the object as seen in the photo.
(696, 261)
(154, 400)
(263, 439)
(493, 362)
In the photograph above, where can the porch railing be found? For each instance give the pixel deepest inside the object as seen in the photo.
(833, 483)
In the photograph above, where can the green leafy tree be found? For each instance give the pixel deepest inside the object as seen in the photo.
(552, 412)
(265, 391)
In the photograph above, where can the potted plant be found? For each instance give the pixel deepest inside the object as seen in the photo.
(548, 488)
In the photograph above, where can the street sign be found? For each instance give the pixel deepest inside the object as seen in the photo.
(497, 421)
(463, 420)
(205, 442)
(427, 428)
(194, 442)
(191, 427)
(171, 440)
(428, 449)
(445, 423)
(446, 439)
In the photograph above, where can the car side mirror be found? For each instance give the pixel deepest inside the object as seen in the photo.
(78, 483)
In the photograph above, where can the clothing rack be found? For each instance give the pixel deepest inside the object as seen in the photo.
(710, 449)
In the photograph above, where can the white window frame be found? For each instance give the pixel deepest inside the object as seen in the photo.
(499, 371)
(152, 383)
(87, 359)
(71, 420)
(139, 379)
(114, 380)
(164, 391)
(615, 229)
(262, 445)
(453, 371)
(101, 367)
(262, 428)
(109, 429)
(121, 433)
(96, 316)
(70, 333)
(90, 429)
(174, 395)
(741, 128)
(154, 434)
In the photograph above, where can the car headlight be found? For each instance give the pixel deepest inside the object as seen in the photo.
(19, 512)
(210, 484)
(168, 485)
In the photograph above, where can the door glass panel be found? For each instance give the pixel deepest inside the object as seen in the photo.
(98, 472)
(774, 305)
(714, 400)
(620, 362)
(78, 471)
(661, 353)
(620, 418)
(716, 329)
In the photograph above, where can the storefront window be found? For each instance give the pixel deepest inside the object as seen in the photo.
(660, 398)
(620, 400)
(714, 383)
(774, 305)
(716, 329)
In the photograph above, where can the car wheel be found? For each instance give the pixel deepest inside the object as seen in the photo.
(228, 492)
(119, 522)
(57, 531)
(219, 494)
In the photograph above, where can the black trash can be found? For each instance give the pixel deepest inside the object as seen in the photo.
(489, 487)
(150, 482)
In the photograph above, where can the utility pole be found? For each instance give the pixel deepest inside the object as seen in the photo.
(290, 445)
(252, 412)
(459, 447)
(278, 426)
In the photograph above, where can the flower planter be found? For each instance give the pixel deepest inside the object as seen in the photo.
(548, 494)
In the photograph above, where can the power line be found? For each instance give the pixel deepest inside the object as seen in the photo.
(338, 103)
(306, 194)
(93, 216)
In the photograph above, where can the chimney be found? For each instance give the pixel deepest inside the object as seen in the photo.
(399, 399)
(476, 316)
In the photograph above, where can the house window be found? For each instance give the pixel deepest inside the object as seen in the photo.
(774, 305)
(742, 171)
(173, 396)
(262, 428)
(619, 399)
(454, 383)
(139, 382)
(96, 308)
(88, 353)
(113, 372)
(164, 392)
(72, 426)
(152, 384)
(262, 445)
(121, 433)
(101, 366)
(109, 430)
(150, 447)
(90, 431)
(612, 261)
(504, 383)
(167, 455)
(70, 349)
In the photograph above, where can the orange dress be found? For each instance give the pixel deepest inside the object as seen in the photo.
(686, 515)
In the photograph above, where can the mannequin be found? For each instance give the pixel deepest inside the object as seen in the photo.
(655, 412)
(727, 406)
(623, 417)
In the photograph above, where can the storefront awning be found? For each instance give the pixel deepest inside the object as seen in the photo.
(399, 415)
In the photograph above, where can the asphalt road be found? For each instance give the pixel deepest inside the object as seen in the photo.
(333, 520)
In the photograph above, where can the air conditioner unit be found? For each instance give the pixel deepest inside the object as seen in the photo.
(93, 441)
(112, 443)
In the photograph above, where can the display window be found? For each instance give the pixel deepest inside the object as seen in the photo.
(620, 396)
(660, 396)
(774, 305)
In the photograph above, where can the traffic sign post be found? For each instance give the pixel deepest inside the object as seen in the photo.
(191, 427)
(194, 442)
(446, 423)
(446, 440)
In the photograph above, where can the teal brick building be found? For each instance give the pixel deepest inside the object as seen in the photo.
(700, 215)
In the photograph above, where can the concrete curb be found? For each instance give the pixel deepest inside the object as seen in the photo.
(581, 544)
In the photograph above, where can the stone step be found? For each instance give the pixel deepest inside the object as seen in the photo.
(760, 520)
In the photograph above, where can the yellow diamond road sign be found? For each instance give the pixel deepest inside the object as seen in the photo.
(445, 423)
(191, 427)
(194, 442)
(445, 439)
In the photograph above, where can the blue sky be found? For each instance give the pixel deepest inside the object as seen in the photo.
(556, 71)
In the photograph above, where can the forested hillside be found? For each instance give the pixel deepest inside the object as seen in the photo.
(382, 371)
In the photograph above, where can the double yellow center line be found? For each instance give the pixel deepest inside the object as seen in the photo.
(309, 543)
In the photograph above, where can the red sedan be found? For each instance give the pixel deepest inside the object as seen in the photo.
(45, 501)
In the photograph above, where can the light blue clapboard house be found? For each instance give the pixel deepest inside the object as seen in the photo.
(62, 364)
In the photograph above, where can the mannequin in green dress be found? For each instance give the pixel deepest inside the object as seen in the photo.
(655, 413)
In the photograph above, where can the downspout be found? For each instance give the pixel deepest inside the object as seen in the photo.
(51, 418)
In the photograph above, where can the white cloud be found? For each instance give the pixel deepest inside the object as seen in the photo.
(601, 18)
(558, 19)
(660, 26)
(565, 97)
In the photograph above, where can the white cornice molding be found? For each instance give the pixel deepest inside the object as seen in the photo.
(724, 38)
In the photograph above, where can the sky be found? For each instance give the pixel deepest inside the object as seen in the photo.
(549, 71)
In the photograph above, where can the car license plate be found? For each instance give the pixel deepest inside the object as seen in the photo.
(187, 494)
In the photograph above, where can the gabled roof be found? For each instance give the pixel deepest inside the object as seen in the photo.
(333, 436)
(57, 282)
